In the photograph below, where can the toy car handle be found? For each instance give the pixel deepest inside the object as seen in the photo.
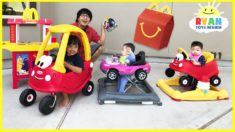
(183, 51)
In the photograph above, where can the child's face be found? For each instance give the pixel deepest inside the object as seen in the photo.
(196, 50)
(124, 50)
(84, 20)
(72, 49)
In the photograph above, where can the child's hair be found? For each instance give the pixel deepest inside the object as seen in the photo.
(84, 11)
(130, 45)
(74, 40)
(197, 43)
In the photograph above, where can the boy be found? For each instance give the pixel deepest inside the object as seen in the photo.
(83, 19)
(128, 56)
(196, 54)
(73, 62)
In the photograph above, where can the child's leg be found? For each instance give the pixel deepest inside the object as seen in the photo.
(65, 100)
(97, 53)
(122, 84)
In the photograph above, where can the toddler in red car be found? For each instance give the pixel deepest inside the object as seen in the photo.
(196, 54)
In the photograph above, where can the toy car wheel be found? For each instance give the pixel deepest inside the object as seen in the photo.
(169, 72)
(185, 81)
(140, 75)
(47, 104)
(112, 74)
(28, 97)
(215, 81)
(88, 89)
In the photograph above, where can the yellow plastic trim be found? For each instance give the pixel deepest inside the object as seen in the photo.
(43, 46)
(208, 56)
(196, 95)
(59, 63)
(24, 47)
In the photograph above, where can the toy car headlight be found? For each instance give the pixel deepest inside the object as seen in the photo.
(181, 65)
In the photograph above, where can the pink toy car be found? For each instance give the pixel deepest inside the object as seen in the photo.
(113, 69)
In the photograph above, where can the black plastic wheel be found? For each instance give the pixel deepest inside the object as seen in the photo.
(169, 72)
(141, 75)
(215, 81)
(185, 81)
(47, 105)
(112, 74)
(88, 89)
(28, 97)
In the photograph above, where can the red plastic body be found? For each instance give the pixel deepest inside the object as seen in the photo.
(201, 73)
(60, 82)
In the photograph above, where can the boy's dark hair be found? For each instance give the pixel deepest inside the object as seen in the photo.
(130, 45)
(84, 11)
(197, 43)
(74, 40)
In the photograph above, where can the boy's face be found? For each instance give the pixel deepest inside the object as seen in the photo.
(84, 20)
(196, 50)
(124, 50)
(72, 49)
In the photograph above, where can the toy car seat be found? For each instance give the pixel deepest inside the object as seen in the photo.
(208, 56)
(140, 59)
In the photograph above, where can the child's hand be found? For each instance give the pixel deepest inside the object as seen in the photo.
(66, 64)
(196, 63)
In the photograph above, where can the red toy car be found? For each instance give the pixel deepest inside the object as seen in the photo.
(50, 77)
(207, 73)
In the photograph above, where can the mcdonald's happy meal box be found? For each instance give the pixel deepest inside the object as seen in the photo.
(154, 28)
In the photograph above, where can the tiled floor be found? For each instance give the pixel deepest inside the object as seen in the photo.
(86, 113)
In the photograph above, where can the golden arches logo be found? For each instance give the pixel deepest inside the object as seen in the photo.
(163, 9)
(30, 14)
(149, 36)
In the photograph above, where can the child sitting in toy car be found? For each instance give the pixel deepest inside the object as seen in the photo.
(127, 57)
(73, 62)
(196, 54)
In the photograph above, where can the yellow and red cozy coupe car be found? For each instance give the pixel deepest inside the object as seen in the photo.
(51, 77)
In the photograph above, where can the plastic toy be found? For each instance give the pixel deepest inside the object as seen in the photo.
(137, 90)
(204, 77)
(114, 69)
(110, 24)
(50, 77)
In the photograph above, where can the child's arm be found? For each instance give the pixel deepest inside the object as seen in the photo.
(73, 68)
(202, 60)
(103, 35)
